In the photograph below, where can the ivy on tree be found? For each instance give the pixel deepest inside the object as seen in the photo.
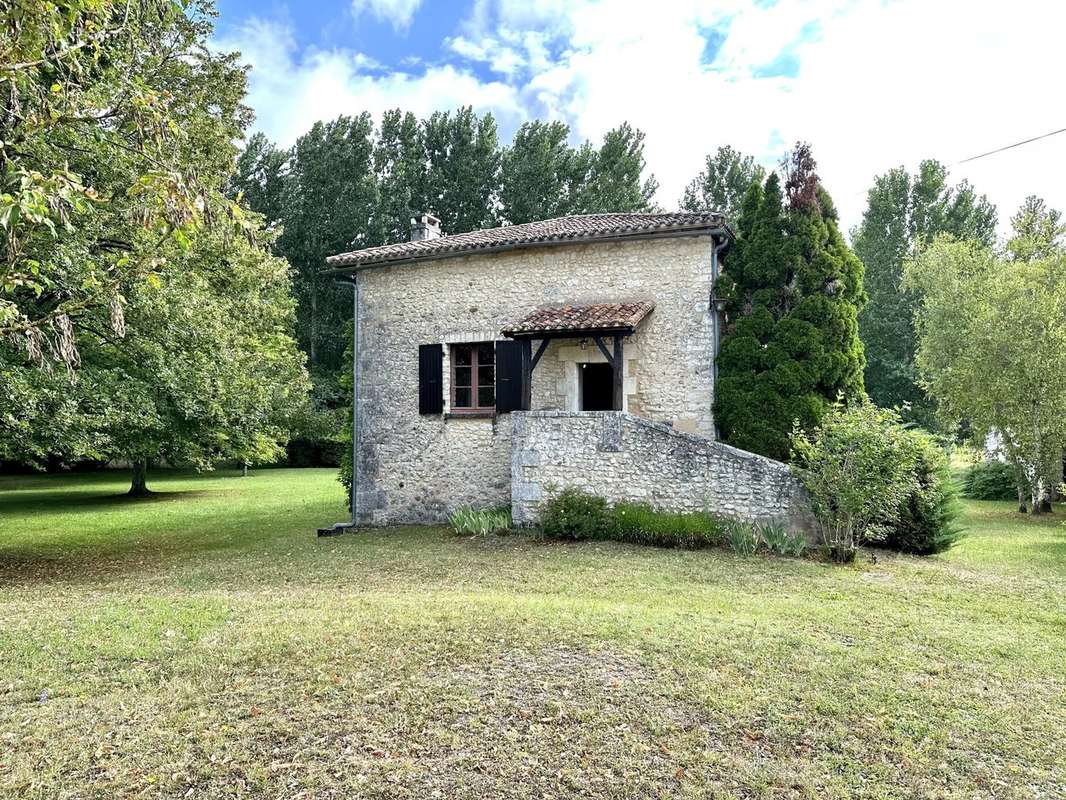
(793, 290)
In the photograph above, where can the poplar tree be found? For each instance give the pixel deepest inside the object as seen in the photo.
(904, 213)
(722, 184)
(793, 290)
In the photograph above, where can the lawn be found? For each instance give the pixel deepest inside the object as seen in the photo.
(204, 643)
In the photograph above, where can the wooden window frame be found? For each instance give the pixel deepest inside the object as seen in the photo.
(474, 386)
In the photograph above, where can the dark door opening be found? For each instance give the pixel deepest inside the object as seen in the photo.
(597, 387)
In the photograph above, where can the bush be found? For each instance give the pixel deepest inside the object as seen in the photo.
(990, 480)
(574, 514)
(928, 518)
(640, 523)
(872, 480)
(852, 467)
(471, 521)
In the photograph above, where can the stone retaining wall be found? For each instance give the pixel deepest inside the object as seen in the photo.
(622, 457)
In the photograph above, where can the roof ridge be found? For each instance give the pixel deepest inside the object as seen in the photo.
(557, 230)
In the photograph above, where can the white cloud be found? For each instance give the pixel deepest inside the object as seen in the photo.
(397, 12)
(291, 89)
(879, 83)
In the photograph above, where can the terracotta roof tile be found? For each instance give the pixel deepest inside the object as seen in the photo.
(588, 317)
(563, 230)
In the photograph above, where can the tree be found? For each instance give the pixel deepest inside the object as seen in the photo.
(992, 350)
(208, 369)
(400, 167)
(463, 162)
(903, 214)
(537, 179)
(116, 130)
(616, 180)
(260, 179)
(793, 290)
(1038, 231)
(722, 184)
(330, 207)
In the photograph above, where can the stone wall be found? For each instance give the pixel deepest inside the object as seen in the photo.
(419, 468)
(622, 457)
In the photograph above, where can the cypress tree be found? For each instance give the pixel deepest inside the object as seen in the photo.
(793, 290)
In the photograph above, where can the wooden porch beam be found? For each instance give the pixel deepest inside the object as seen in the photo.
(618, 372)
(540, 351)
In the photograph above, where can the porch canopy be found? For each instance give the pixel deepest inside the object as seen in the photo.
(579, 321)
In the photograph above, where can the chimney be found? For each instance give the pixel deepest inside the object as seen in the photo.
(425, 226)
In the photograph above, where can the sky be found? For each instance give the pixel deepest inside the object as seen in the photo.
(871, 84)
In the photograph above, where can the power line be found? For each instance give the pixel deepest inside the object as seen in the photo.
(1009, 146)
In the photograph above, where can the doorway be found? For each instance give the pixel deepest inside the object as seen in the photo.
(597, 387)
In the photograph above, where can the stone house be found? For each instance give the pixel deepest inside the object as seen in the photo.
(494, 365)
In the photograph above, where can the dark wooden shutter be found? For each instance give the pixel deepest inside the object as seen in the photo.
(430, 378)
(512, 375)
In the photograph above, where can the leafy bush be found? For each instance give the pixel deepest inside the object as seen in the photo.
(467, 520)
(990, 480)
(640, 523)
(873, 480)
(574, 514)
(928, 519)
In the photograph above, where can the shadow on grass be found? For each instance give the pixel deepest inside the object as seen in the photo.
(66, 502)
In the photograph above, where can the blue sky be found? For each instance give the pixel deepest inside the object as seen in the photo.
(871, 83)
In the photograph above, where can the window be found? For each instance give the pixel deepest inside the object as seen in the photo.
(473, 377)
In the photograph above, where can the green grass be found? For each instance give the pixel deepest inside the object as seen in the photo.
(205, 643)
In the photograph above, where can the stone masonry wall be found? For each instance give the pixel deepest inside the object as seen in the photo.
(621, 457)
(419, 468)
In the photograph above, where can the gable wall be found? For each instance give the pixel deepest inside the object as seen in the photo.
(419, 468)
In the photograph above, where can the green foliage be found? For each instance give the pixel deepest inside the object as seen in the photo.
(793, 291)
(990, 480)
(929, 516)
(903, 214)
(855, 468)
(723, 183)
(208, 370)
(116, 132)
(480, 522)
(778, 539)
(1038, 231)
(992, 350)
(742, 537)
(640, 523)
(872, 480)
(574, 514)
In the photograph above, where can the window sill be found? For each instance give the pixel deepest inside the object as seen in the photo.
(474, 414)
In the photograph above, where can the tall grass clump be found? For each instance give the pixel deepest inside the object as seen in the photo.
(480, 522)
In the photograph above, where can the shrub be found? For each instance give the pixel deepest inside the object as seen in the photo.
(990, 480)
(467, 520)
(873, 480)
(640, 523)
(928, 518)
(855, 468)
(575, 514)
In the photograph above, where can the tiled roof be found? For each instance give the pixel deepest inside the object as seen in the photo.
(585, 227)
(589, 317)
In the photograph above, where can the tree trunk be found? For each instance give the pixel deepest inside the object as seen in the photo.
(139, 486)
(1023, 507)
